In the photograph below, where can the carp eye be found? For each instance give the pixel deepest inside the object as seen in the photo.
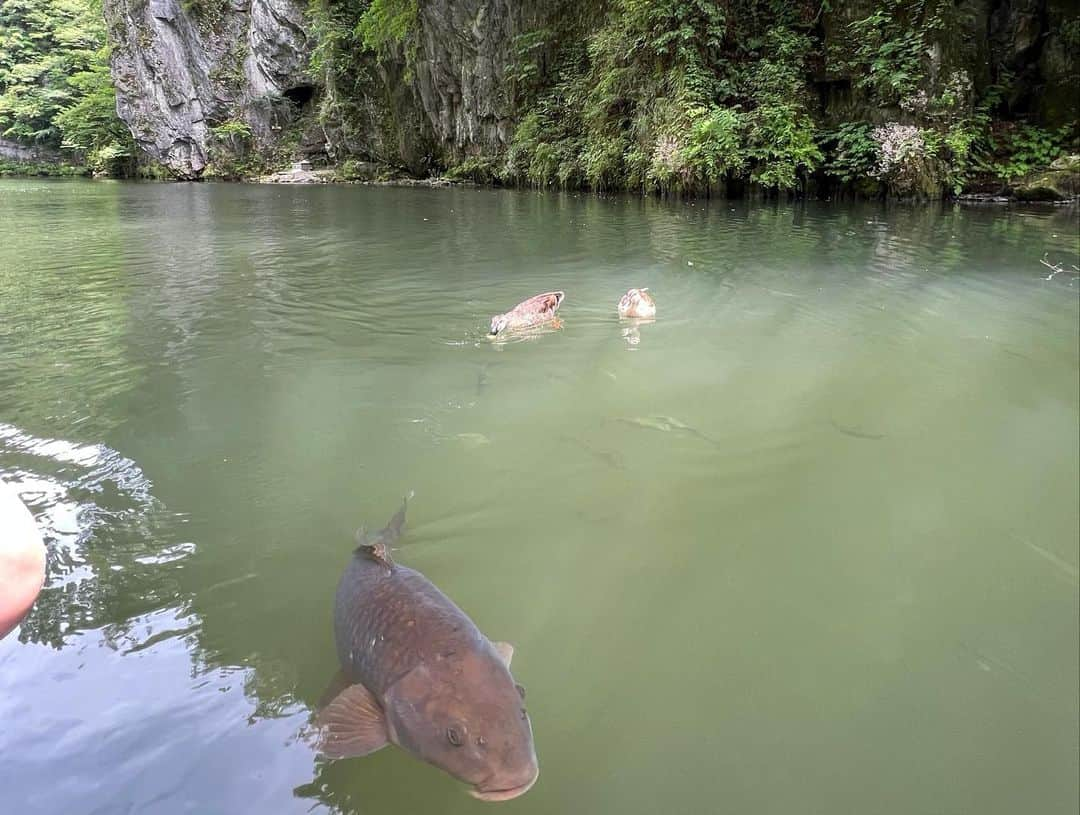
(453, 736)
(520, 690)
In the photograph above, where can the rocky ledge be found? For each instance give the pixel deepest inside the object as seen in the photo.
(1057, 184)
(349, 173)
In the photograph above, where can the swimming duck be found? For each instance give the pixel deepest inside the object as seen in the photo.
(637, 303)
(534, 311)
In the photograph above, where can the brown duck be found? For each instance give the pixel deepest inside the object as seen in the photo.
(528, 313)
(637, 303)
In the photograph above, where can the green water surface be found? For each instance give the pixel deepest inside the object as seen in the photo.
(807, 543)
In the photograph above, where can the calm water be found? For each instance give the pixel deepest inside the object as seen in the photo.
(808, 543)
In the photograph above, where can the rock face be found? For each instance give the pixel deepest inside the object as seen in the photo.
(15, 151)
(182, 68)
(445, 93)
(1059, 182)
(461, 72)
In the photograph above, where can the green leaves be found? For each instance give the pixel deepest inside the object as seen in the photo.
(386, 22)
(853, 152)
(676, 95)
(1019, 150)
(782, 143)
(55, 87)
(715, 146)
(890, 48)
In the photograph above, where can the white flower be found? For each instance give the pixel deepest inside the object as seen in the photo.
(898, 147)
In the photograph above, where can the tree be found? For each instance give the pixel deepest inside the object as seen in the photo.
(55, 88)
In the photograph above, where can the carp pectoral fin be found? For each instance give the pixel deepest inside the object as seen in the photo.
(353, 724)
(336, 686)
(505, 651)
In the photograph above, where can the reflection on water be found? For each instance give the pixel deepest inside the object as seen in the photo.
(98, 516)
(809, 535)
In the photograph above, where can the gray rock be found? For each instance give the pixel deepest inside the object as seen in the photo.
(1048, 185)
(1066, 163)
(15, 151)
(465, 49)
(178, 75)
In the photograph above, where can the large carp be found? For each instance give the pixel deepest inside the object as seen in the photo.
(419, 674)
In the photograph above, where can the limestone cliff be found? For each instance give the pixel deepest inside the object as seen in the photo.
(182, 68)
(445, 93)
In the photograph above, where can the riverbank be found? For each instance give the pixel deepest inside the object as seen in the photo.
(1053, 185)
(1058, 183)
(41, 169)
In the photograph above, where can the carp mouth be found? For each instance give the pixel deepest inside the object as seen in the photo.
(504, 794)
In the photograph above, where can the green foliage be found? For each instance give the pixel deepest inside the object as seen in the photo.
(674, 31)
(354, 103)
(354, 170)
(674, 95)
(680, 96)
(1019, 150)
(31, 168)
(889, 50)
(90, 125)
(479, 169)
(43, 43)
(333, 58)
(782, 145)
(714, 146)
(852, 151)
(525, 73)
(387, 22)
(55, 87)
(234, 132)
(230, 151)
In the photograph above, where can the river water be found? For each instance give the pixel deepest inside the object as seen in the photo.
(807, 543)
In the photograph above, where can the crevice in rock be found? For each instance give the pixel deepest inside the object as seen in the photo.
(300, 95)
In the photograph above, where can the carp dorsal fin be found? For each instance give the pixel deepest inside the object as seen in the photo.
(394, 529)
(377, 546)
(505, 651)
(379, 552)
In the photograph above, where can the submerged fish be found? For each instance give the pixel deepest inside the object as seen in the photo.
(612, 458)
(419, 674)
(472, 439)
(854, 432)
(668, 424)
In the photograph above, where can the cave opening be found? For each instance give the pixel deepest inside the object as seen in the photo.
(300, 95)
